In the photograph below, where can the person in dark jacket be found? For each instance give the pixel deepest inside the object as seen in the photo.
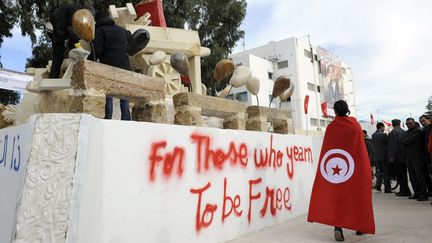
(380, 143)
(397, 157)
(415, 159)
(369, 147)
(59, 30)
(110, 47)
(425, 120)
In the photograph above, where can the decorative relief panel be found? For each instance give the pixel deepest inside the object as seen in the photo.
(45, 204)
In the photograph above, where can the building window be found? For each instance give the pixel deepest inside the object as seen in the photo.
(242, 96)
(314, 122)
(308, 54)
(311, 87)
(319, 67)
(344, 70)
(282, 64)
(319, 89)
(315, 57)
(323, 123)
(239, 64)
(270, 75)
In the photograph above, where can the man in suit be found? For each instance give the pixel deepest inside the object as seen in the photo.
(415, 159)
(425, 120)
(380, 143)
(397, 158)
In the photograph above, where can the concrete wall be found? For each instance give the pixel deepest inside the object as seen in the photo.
(116, 181)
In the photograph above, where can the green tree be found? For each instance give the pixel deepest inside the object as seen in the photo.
(429, 106)
(7, 20)
(8, 96)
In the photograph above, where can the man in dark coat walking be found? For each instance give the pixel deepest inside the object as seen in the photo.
(111, 47)
(380, 143)
(415, 159)
(397, 157)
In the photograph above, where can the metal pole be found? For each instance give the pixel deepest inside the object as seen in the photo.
(316, 86)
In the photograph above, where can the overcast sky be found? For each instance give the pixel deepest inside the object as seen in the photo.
(388, 43)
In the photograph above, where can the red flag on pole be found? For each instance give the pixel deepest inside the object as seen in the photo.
(387, 123)
(306, 104)
(341, 194)
(372, 120)
(324, 109)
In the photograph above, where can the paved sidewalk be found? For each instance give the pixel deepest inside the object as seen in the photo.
(397, 219)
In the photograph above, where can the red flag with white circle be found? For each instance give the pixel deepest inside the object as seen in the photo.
(341, 194)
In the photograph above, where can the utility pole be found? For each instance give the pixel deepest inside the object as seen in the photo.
(317, 98)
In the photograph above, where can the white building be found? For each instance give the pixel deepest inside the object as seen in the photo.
(311, 76)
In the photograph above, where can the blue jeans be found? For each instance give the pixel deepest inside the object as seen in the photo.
(124, 108)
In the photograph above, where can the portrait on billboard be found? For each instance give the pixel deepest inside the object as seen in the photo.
(332, 77)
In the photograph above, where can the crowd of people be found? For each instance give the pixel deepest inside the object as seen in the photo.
(403, 154)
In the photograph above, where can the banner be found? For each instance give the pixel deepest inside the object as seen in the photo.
(12, 80)
(332, 77)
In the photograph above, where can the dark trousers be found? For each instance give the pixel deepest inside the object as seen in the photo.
(427, 176)
(382, 173)
(402, 178)
(416, 171)
(124, 108)
(58, 54)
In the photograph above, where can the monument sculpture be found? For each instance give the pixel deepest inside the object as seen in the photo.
(74, 178)
(155, 88)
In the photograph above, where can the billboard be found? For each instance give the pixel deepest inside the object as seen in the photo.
(332, 77)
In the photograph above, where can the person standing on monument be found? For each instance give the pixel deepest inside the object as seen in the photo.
(111, 48)
(59, 30)
(341, 194)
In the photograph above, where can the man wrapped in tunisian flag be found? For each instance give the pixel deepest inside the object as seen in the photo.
(341, 194)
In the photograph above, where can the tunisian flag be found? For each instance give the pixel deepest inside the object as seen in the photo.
(306, 104)
(341, 194)
(324, 109)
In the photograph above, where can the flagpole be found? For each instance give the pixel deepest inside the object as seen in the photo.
(317, 99)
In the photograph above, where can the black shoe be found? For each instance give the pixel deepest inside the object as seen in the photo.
(377, 188)
(338, 234)
(359, 233)
(414, 197)
(387, 191)
(429, 194)
(422, 199)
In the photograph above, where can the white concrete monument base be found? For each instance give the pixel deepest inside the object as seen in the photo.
(93, 180)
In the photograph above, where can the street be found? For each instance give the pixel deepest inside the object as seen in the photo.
(397, 219)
